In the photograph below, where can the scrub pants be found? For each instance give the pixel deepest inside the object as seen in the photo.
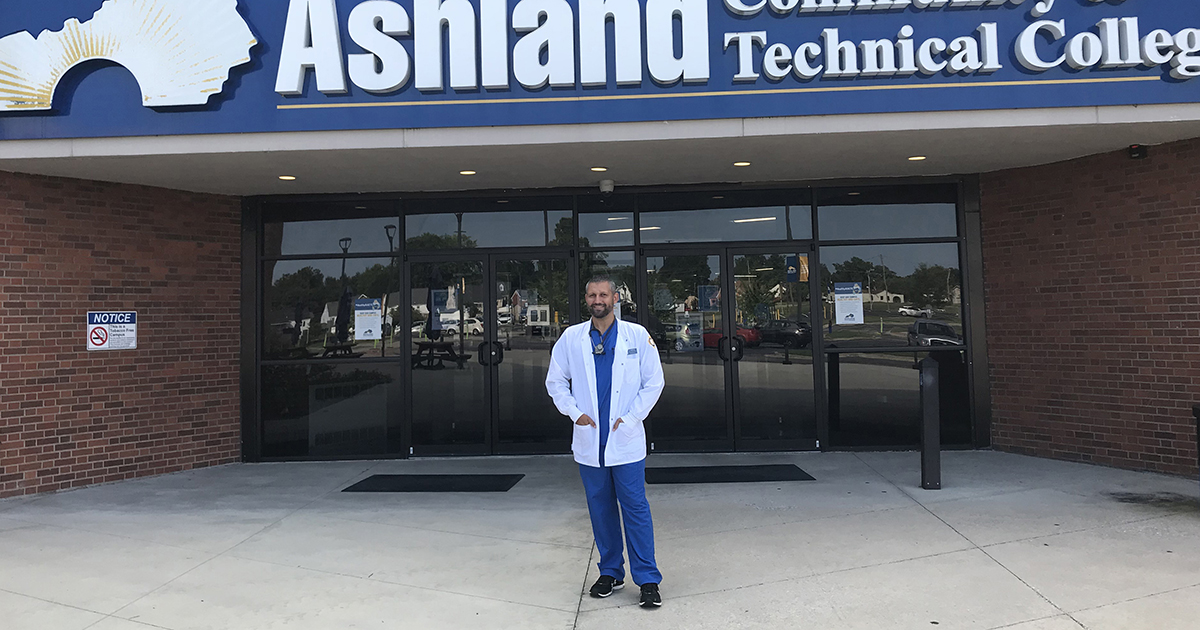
(626, 484)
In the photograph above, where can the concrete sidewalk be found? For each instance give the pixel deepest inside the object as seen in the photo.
(1012, 542)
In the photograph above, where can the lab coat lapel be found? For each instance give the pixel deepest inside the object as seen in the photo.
(589, 367)
(618, 369)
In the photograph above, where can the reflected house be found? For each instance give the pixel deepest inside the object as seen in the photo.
(886, 297)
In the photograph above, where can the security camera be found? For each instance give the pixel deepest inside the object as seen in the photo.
(607, 186)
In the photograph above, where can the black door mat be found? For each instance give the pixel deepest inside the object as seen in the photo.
(727, 474)
(436, 483)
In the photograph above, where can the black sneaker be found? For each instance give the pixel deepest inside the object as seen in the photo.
(606, 585)
(650, 596)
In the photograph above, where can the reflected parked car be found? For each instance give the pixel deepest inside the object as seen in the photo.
(471, 325)
(683, 336)
(928, 332)
(913, 311)
(751, 337)
(786, 333)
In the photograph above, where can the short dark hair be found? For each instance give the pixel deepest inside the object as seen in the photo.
(601, 278)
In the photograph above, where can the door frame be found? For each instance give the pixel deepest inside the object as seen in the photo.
(491, 444)
(726, 252)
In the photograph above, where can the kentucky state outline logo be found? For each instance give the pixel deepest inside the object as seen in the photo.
(180, 51)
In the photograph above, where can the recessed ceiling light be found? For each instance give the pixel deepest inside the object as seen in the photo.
(741, 164)
(599, 169)
(287, 178)
(917, 158)
(718, 196)
(501, 201)
(466, 172)
(854, 194)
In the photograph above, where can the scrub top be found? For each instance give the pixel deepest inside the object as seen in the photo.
(604, 365)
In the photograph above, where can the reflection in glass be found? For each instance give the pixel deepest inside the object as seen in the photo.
(875, 399)
(610, 229)
(900, 285)
(800, 222)
(309, 307)
(718, 224)
(685, 299)
(329, 410)
(887, 221)
(619, 266)
(321, 237)
(532, 311)
(775, 374)
(449, 386)
(489, 229)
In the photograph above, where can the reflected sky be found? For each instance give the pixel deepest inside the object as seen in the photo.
(901, 259)
(921, 220)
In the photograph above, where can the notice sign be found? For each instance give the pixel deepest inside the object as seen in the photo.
(368, 320)
(111, 330)
(848, 303)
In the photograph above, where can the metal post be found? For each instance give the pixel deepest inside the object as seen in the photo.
(834, 384)
(931, 427)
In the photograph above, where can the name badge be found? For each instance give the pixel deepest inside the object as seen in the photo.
(632, 351)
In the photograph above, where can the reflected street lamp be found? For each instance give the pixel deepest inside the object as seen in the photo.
(390, 230)
(345, 245)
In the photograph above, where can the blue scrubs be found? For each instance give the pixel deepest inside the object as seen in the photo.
(606, 487)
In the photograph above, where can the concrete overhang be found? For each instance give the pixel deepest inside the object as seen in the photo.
(794, 149)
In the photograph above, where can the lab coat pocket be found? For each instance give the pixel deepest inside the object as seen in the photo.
(628, 433)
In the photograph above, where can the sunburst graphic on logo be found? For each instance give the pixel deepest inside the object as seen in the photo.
(179, 51)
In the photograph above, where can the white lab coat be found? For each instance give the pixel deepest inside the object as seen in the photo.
(637, 382)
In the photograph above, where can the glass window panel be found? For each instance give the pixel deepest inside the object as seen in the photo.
(685, 300)
(612, 229)
(775, 373)
(620, 266)
(450, 407)
(329, 410)
(526, 228)
(328, 237)
(309, 308)
(532, 305)
(899, 286)
(800, 222)
(768, 223)
(875, 399)
(887, 212)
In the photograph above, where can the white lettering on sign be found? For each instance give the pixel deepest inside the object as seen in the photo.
(670, 39)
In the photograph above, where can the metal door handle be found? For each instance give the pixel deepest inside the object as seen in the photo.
(738, 345)
(721, 348)
(497, 353)
(484, 357)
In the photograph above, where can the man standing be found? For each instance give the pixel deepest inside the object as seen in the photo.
(606, 377)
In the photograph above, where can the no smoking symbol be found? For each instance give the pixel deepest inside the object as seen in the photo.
(98, 336)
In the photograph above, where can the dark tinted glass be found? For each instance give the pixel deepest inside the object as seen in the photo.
(450, 406)
(328, 237)
(611, 229)
(619, 266)
(887, 213)
(875, 399)
(329, 410)
(722, 216)
(309, 308)
(521, 228)
(891, 287)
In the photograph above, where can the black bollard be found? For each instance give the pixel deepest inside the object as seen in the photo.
(931, 427)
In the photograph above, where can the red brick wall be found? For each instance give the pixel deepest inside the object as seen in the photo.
(69, 417)
(1092, 272)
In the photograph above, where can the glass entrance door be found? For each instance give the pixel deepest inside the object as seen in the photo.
(480, 339)
(735, 339)
(773, 387)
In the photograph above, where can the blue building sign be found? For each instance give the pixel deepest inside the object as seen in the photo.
(86, 68)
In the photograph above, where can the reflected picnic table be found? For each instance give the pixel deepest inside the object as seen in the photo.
(431, 355)
(341, 350)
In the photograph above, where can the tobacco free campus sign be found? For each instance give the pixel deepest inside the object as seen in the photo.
(141, 67)
(111, 330)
